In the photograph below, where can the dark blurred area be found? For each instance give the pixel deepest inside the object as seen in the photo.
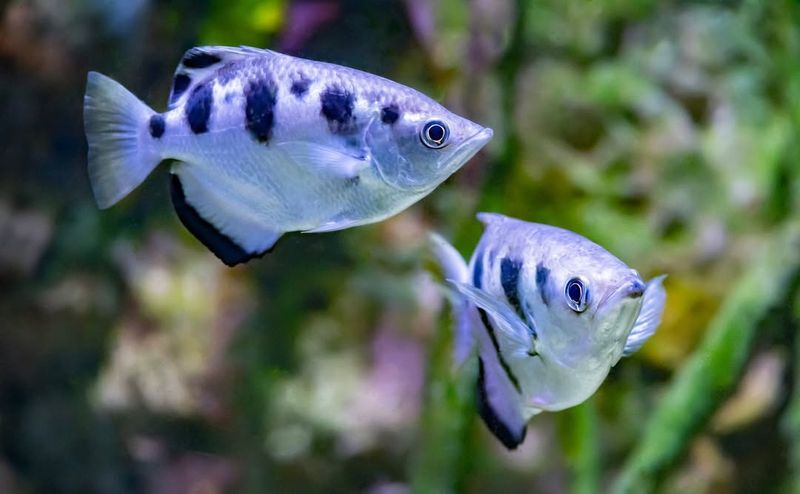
(132, 360)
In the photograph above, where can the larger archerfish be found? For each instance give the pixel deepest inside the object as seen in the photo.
(550, 313)
(263, 143)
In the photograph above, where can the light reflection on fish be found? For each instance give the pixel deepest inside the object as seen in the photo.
(265, 143)
(551, 313)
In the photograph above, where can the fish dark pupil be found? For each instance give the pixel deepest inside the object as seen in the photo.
(575, 292)
(436, 133)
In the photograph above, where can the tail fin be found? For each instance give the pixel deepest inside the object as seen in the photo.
(116, 124)
(455, 269)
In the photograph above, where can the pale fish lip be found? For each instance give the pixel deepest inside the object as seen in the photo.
(630, 290)
(470, 146)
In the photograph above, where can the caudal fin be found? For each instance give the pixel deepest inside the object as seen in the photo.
(121, 154)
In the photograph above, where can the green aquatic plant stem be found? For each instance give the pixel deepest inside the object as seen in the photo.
(578, 432)
(439, 463)
(508, 69)
(713, 370)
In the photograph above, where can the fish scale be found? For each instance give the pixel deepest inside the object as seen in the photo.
(264, 144)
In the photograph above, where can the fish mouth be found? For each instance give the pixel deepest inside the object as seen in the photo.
(629, 291)
(446, 165)
(470, 146)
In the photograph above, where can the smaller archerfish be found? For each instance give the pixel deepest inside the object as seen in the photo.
(263, 143)
(550, 312)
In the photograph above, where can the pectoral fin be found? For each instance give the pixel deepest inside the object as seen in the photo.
(324, 159)
(512, 328)
(649, 317)
(332, 226)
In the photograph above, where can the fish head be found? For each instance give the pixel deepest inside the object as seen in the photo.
(417, 150)
(583, 302)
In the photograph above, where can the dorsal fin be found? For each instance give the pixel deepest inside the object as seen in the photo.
(200, 62)
(489, 218)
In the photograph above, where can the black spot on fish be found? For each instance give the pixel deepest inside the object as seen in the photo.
(390, 114)
(300, 86)
(198, 108)
(542, 273)
(337, 108)
(179, 85)
(217, 242)
(199, 59)
(260, 98)
(487, 324)
(509, 278)
(500, 429)
(157, 126)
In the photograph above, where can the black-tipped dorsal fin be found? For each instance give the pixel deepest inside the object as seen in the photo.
(226, 248)
(200, 62)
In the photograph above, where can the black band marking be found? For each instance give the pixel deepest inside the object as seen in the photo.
(337, 108)
(477, 269)
(260, 100)
(490, 330)
(390, 114)
(493, 422)
(199, 59)
(542, 274)
(179, 86)
(198, 108)
(509, 278)
(477, 272)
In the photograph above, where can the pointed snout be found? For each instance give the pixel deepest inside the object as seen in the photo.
(635, 289)
(466, 150)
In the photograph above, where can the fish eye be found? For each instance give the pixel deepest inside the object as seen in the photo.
(577, 295)
(435, 134)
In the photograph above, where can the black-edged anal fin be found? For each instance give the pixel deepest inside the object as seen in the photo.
(222, 246)
(498, 407)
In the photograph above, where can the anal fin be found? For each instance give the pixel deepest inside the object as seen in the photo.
(498, 406)
(222, 245)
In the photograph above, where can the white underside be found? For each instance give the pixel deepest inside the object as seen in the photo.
(254, 192)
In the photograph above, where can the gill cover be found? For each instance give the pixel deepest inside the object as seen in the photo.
(393, 167)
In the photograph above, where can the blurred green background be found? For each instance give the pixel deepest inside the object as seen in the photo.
(132, 360)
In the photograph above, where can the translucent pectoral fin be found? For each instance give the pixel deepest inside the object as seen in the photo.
(324, 158)
(332, 226)
(649, 317)
(511, 327)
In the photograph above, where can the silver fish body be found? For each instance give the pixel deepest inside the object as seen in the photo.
(265, 143)
(550, 311)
